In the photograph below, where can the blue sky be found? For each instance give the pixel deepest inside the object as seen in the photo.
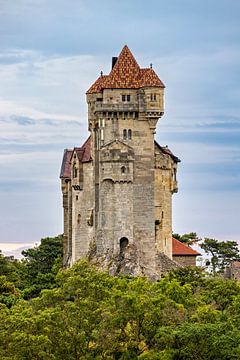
(52, 51)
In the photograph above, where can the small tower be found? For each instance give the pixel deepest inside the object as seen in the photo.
(128, 187)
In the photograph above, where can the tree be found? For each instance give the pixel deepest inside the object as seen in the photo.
(8, 292)
(189, 238)
(41, 265)
(92, 315)
(222, 253)
(13, 270)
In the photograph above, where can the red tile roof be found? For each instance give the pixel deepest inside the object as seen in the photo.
(98, 85)
(126, 74)
(178, 248)
(83, 154)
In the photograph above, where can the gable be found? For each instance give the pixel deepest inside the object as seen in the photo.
(165, 151)
(117, 151)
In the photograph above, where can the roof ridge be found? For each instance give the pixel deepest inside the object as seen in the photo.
(126, 74)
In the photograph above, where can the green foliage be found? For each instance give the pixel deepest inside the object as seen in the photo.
(12, 269)
(8, 292)
(189, 238)
(37, 271)
(91, 315)
(222, 253)
(41, 266)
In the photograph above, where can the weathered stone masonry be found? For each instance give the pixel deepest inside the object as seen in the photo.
(117, 188)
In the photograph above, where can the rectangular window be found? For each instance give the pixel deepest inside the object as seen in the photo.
(101, 123)
(153, 97)
(126, 98)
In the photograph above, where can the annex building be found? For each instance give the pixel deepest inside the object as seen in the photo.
(117, 187)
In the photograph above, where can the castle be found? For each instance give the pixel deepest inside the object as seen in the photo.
(117, 187)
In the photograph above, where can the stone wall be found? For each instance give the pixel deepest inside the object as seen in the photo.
(185, 260)
(82, 211)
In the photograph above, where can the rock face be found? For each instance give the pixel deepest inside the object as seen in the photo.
(117, 188)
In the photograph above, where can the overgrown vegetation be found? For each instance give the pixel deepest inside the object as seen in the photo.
(84, 313)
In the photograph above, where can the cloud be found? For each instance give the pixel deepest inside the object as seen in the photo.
(45, 70)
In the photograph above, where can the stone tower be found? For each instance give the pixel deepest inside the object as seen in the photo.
(117, 188)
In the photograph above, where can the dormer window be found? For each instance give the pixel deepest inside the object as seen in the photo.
(126, 98)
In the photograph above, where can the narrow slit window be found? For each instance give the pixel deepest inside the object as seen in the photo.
(75, 172)
(129, 134)
(125, 134)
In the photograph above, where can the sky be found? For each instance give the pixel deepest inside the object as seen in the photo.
(50, 54)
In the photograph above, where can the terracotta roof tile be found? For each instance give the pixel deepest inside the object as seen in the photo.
(178, 248)
(150, 78)
(98, 85)
(126, 74)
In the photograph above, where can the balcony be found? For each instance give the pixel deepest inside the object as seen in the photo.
(121, 107)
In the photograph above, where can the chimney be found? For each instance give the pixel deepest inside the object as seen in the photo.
(114, 60)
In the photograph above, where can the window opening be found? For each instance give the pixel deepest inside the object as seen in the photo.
(153, 97)
(123, 245)
(125, 134)
(126, 98)
(75, 172)
(123, 170)
(175, 174)
(129, 134)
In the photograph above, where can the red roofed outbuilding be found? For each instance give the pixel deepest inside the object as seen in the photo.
(183, 254)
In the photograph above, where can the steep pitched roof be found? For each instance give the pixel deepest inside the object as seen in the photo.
(98, 85)
(178, 248)
(86, 147)
(83, 154)
(65, 172)
(165, 150)
(126, 74)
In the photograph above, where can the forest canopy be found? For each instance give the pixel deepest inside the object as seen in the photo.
(84, 313)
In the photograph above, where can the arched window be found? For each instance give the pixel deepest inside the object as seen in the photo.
(129, 134)
(123, 245)
(123, 170)
(125, 134)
